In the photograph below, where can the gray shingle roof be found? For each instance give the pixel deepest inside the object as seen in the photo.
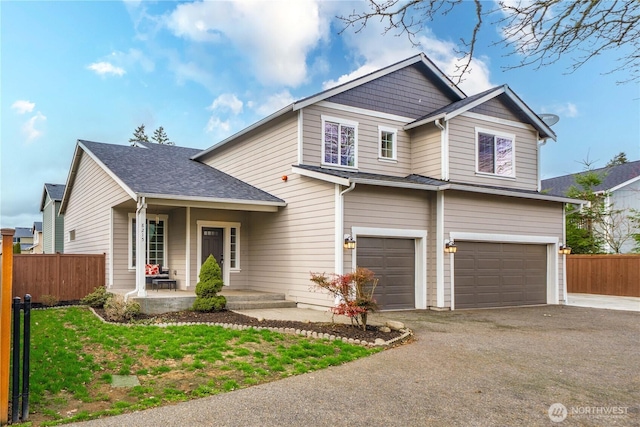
(22, 232)
(458, 104)
(410, 179)
(168, 170)
(37, 225)
(56, 191)
(611, 177)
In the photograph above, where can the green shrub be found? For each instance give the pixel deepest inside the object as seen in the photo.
(215, 303)
(209, 285)
(97, 298)
(117, 309)
(49, 300)
(16, 248)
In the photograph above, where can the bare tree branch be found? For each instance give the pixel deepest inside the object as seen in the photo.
(537, 32)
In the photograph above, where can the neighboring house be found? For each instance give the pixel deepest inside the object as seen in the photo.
(400, 160)
(620, 184)
(24, 236)
(36, 231)
(52, 220)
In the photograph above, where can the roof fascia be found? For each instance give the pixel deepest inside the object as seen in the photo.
(508, 193)
(244, 131)
(394, 184)
(377, 74)
(321, 176)
(74, 170)
(538, 123)
(227, 204)
(624, 184)
(44, 198)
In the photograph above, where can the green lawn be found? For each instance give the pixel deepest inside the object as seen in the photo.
(74, 356)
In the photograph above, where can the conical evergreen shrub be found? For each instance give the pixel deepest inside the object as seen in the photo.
(208, 286)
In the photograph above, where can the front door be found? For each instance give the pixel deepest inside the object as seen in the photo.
(213, 244)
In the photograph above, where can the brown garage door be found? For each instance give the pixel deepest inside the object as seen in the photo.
(499, 275)
(393, 262)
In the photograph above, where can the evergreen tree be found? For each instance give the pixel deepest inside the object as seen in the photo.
(139, 135)
(160, 136)
(618, 159)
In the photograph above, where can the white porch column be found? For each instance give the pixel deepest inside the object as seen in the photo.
(141, 247)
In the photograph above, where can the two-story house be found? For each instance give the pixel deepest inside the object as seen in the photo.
(52, 220)
(439, 192)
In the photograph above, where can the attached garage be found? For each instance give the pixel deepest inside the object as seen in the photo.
(488, 274)
(393, 262)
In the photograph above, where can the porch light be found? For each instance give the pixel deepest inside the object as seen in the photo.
(564, 249)
(450, 247)
(349, 242)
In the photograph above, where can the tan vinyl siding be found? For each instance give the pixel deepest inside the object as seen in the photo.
(89, 209)
(381, 207)
(426, 145)
(279, 249)
(480, 213)
(462, 154)
(123, 278)
(48, 220)
(59, 231)
(176, 245)
(368, 141)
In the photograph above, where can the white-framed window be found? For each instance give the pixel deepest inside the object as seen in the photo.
(71, 235)
(387, 143)
(339, 142)
(156, 240)
(495, 153)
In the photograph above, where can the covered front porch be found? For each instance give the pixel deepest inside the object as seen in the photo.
(178, 236)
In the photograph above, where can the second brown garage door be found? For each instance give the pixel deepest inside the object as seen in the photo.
(393, 262)
(499, 275)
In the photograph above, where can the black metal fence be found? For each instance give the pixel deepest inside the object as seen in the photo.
(21, 413)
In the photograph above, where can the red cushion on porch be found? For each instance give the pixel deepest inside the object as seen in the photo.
(151, 269)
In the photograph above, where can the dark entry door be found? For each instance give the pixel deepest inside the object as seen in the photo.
(213, 244)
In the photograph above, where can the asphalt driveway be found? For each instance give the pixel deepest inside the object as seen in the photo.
(501, 367)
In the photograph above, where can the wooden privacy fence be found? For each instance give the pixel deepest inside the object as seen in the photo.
(604, 274)
(67, 277)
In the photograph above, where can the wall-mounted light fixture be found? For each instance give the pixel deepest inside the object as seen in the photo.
(450, 247)
(349, 242)
(564, 249)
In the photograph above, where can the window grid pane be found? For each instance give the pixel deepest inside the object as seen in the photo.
(233, 247)
(486, 153)
(386, 149)
(155, 242)
(331, 142)
(347, 145)
(504, 156)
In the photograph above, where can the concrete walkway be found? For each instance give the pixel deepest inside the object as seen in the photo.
(605, 301)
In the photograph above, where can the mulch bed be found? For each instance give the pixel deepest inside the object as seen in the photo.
(230, 317)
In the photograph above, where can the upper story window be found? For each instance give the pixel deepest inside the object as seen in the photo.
(496, 153)
(387, 144)
(339, 142)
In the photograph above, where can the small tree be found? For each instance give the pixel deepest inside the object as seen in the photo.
(160, 136)
(582, 221)
(618, 159)
(16, 248)
(139, 135)
(208, 286)
(354, 291)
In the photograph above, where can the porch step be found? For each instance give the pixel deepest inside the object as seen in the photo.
(247, 300)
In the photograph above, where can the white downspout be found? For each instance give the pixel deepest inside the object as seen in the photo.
(339, 266)
(538, 162)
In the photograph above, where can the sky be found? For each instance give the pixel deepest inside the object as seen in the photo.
(96, 70)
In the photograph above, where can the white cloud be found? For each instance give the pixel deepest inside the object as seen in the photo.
(216, 125)
(373, 50)
(273, 103)
(568, 109)
(227, 101)
(130, 59)
(29, 127)
(103, 68)
(280, 37)
(22, 106)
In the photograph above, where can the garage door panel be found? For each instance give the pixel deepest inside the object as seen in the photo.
(393, 262)
(499, 274)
